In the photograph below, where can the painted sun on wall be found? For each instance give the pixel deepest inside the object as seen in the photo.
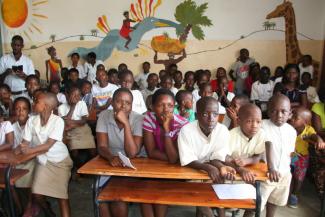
(140, 19)
(20, 16)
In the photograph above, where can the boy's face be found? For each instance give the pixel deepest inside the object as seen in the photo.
(39, 104)
(279, 111)
(113, 78)
(75, 59)
(178, 77)
(306, 61)
(122, 102)
(189, 82)
(208, 117)
(167, 84)
(127, 82)
(4, 94)
(73, 76)
(152, 81)
(292, 75)
(264, 76)
(146, 67)
(251, 123)
(122, 67)
(32, 85)
(296, 120)
(21, 111)
(101, 76)
(91, 60)
(55, 89)
(74, 97)
(244, 54)
(17, 46)
(86, 88)
(162, 73)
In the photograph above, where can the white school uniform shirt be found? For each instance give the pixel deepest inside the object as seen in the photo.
(18, 134)
(226, 121)
(194, 145)
(81, 70)
(283, 139)
(309, 69)
(61, 98)
(241, 146)
(146, 93)
(5, 128)
(141, 80)
(37, 134)
(80, 110)
(102, 94)
(262, 92)
(13, 81)
(90, 71)
(138, 104)
(312, 95)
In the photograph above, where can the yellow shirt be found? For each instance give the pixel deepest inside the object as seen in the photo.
(302, 145)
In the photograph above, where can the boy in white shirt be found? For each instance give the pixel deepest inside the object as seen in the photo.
(52, 171)
(141, 78)
(152, 83)
(91, 67)
(262, 90)
(280, 144)
(103, 91)
(203, 145)
(75, 64)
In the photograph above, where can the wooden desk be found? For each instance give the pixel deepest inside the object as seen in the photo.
(149, 168)
(10, 175)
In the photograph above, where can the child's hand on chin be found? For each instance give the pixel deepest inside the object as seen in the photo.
(121, 116)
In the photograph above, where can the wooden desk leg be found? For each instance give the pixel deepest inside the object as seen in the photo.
(8, 192)
(95, 195)
(258, 199)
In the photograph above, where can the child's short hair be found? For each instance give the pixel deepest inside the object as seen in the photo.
(122, 90)
(72, 70)
(6, 87)
(123, 74)
(145, 63)
(112, 71)
(31, 77)
(125, 13)
(23, 99)
(75, 54)
(151, 75)
(100, 65)
(188, 74)
(166, 77)
(159, 92)
(242, 98)
(180, 95)
(265, 69)
(54, 83)
(72, 88)
(17, 38)
(84, 82)
(91, 55)
(202, 102)
(307, 56)
(204, 85)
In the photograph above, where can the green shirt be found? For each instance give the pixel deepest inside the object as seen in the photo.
(190, 118)
(318, 108)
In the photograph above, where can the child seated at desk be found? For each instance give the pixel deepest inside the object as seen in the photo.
(247, 143)
(280, 144)
(160, 132)
(203, 145)
(43, 136)
(118, 130)
(231, 117)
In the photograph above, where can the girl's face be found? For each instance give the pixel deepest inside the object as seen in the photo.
(122, 102)
(163, 106)
(189, 82)
(292, 75)
(221, 72)
(86, 88)
(101, 76)
(55, 89)
(32, 85)
(4, 94)
(188, 101)
(74, 97)
(167, 84)
(127, 81)
(21, 111)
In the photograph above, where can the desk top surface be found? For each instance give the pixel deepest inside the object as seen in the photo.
(9, 157)
(150, 168)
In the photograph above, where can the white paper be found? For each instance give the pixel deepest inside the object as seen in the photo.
(235, 191)
(126, 161)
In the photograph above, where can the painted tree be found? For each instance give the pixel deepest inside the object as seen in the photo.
(192, 18)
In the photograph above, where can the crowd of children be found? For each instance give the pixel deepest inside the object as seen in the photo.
(165, 116)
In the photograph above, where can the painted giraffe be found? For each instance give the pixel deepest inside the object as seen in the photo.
(293, 53)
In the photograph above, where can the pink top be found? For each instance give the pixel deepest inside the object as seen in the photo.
(151, 124)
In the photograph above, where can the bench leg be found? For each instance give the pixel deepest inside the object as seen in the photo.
(95, 195)
(258, 199)
(8, 192)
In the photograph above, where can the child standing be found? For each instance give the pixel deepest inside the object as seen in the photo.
(300, 120)
(53, 66)
(203, 145)
(91, 67)
(141, 78)
(75, 113)
(184, 107)
(239, 71)
(152, 83)
(126, 80)
(44, 133)
(280, 144)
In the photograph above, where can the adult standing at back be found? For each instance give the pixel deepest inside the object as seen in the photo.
(15, 67)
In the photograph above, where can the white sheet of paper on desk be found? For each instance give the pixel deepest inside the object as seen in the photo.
(126, 161)
(235, 191)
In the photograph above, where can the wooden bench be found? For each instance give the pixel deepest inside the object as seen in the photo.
(168, 193)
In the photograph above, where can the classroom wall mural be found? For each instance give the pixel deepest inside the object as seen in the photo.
(210, 31)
